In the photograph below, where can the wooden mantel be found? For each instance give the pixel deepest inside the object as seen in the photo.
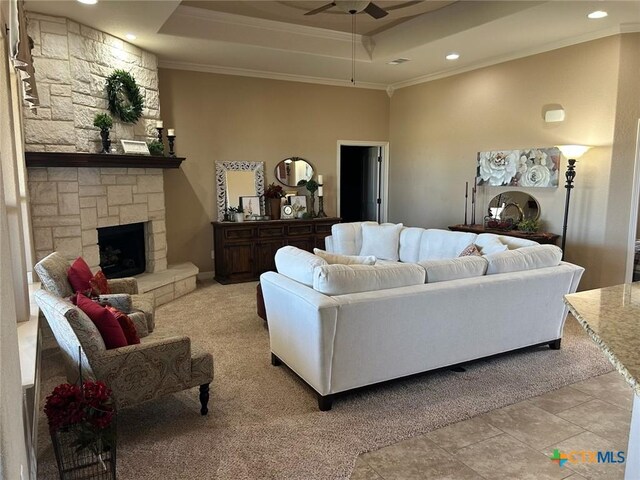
(63, 159)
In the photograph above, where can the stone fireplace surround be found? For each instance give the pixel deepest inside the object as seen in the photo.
(68, 204)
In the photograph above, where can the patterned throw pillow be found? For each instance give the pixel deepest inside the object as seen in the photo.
(471, 250)
(99, 285)
(128, 327)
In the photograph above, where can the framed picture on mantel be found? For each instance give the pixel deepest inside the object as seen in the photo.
(134, 147)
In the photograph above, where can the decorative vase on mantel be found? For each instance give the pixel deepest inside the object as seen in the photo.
(274, 208)
(106, 143)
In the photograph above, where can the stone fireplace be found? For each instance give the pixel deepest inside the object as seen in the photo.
(70, 204)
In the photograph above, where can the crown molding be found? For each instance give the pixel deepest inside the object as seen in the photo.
(270, 25)
(566, 42)
(289, 77)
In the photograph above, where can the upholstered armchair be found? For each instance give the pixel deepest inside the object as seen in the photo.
(159, 365)
(53, 269)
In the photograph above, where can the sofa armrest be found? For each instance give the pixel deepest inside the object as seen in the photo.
(137, 373)
(123, 285)
(121, 301)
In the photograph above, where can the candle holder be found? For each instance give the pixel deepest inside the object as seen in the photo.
(159, 133)
(321, 213)
(172, 139)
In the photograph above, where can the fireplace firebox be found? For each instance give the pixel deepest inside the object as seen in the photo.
(122, 252)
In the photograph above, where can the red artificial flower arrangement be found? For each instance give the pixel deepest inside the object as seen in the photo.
(274, 191)
(87, 408)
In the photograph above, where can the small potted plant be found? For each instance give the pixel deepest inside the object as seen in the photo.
(529, 226)
(156, 148)
(311, 186)
(82, 425)
(104, 122)
(237, 213)
(274, 193)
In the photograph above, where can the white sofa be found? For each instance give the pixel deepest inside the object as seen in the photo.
(342, 327)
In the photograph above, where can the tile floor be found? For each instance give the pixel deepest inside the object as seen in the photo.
(515, 442)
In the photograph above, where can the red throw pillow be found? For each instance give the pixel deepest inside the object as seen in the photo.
(104, 320)
(128, 327)
(79, 275)
(99, 284)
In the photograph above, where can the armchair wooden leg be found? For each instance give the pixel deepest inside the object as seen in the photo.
(204, 398)
(555, 345)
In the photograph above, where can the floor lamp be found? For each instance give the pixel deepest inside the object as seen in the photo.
(571, 152)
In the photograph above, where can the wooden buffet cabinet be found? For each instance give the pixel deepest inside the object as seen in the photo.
(244, 250)
(540, 237)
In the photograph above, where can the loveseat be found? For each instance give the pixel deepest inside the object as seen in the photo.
(341, 325)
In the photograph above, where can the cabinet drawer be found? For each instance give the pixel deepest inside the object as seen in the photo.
(269, 232)
(238, 233)
(324, 228)
(300, 229)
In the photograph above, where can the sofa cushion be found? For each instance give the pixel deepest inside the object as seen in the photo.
(511, 242)
(346, 238)
(454, 268)
(334, 258)
(410, 238)
(297, 264)
(490, 244)
(343, 279)
(381, 241)
(525, 258)
(436, 243)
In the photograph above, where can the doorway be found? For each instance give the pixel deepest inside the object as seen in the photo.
(362, 181)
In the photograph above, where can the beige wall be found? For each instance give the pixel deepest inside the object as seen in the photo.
(222, 117)
(438, 127)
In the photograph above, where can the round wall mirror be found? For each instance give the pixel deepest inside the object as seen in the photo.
(293, 169)
(514, 204)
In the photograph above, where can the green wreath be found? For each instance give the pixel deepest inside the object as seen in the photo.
(125, 100)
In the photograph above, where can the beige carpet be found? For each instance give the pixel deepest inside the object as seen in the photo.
(263, 422)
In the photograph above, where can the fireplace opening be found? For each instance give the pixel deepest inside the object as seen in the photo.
(122, 250)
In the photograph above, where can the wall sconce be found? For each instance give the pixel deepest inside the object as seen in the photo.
(571, 152)
(553, 113)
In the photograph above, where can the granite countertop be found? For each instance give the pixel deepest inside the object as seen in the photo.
(611, 316)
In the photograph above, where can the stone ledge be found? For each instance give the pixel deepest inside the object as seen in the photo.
(174, 282)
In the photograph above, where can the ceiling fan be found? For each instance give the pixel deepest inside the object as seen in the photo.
(353, 7)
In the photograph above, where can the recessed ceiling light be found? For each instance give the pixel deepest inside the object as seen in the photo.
(88, 2)
(598, 14)
(453, 56)
(130, 36)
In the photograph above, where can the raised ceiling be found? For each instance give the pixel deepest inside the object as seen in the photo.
(275, 39)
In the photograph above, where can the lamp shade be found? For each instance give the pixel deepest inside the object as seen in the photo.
(573, 151)
(352, 6)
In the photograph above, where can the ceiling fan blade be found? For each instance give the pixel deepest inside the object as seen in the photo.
(375, 11)
(404, 5)
(322, 8)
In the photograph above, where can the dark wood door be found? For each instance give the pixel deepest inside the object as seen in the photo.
(238, 261)
(265, 255)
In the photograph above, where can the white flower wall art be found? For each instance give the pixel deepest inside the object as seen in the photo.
(533, 167)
